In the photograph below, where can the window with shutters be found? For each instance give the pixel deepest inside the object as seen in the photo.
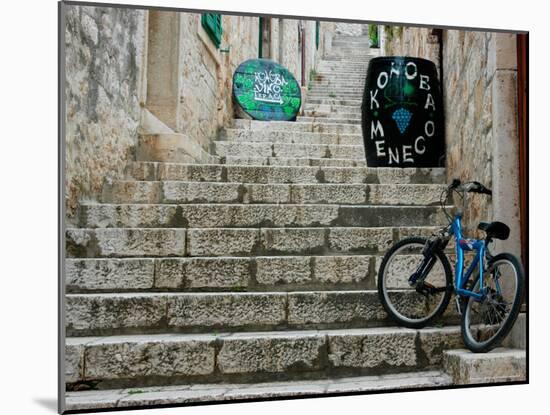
(212, 24)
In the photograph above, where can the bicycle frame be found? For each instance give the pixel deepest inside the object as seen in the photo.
(462, 245)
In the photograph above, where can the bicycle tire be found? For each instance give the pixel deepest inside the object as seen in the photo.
(485, 346)
(384, 298)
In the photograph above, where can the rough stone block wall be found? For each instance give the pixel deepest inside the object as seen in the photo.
(351, 29)
(468, 97)
(289, 51)
(207, 74)
(104, 52)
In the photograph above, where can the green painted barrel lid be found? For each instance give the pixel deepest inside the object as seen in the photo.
(266, 90)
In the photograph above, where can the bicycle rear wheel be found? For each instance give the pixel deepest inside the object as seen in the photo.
(486, 322)
(416, 305)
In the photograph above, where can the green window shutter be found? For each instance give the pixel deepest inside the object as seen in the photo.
(212, 24)
(317, 33)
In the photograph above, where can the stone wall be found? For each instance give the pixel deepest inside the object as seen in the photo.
(104, 54)
(478, 71)
(152, 84)
(351, 29)
(207, 73)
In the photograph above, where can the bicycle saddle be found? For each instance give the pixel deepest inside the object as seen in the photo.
(496, 230)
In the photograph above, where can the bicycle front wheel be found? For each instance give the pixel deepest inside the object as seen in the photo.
(486, 322)
(413, 305)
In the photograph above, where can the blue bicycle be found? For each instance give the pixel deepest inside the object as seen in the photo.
(415, 283)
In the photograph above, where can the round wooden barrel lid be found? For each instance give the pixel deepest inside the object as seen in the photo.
(266, 90)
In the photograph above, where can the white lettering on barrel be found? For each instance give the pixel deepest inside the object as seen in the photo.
(429, 131)
(417, 148)
(393, 156)
(375, 130)
(409, 75)
(429, 102)
(394, 70)
(373, 99)
(379, 82)
(379, 149)
(424, 79)
(407, 154)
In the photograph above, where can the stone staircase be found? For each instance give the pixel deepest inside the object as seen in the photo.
(256, 277)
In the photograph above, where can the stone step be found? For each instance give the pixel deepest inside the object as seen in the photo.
(259, 273)
(206, 274)
(348, 52)
(355, 116)
(319, 127)
(298, 162)
(263, 149)
(288, 175)
(343, 65)
(201, 242)
(338, 79)
(118, 361)
(236, 135)
(332, 120)
(333, 109)
(197, 393)
(336, 87)
(214, 192)
(242, 215)
(325, 95)
(498, 365)
(315, 88)
(342, 73)
(335, 101)
(106, 314)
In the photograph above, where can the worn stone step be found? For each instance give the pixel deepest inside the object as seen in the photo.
(282, 137)
(276, 174)
(324, 95)
(498, 365)
(117, 361)
(332, 89)
(298, 162)
(334, 109)
(354, 120)
(259, 273)
(199, 242)
(139, 313)
(224, 274)
(320, 127)
(259, 149)
(197, 393)
(336, 84)
(355, 116)
(344, 63)
(353, 91)
(338, 69)
(243, 215)
(214, 192)
(356, 54)
(334, 101)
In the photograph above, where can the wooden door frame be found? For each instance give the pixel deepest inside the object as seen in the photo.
(523, 133)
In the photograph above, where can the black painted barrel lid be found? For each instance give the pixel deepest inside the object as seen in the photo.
(402, 113)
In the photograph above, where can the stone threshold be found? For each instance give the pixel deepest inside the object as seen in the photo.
(196, 393)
